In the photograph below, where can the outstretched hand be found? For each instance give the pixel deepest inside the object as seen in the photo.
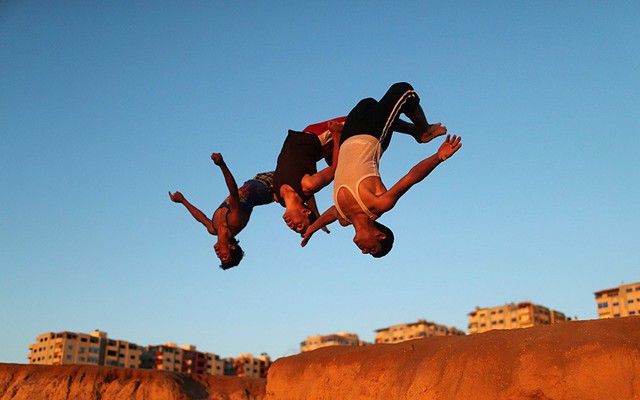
(217, 158)
(449, 147)
(176, 197)
(305, 237)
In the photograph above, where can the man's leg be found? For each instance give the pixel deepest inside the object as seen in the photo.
(359, 120)
(402, 98)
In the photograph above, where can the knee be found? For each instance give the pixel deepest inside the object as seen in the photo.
(401, 87)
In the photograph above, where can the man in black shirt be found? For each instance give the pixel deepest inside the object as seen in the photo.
(296, 178)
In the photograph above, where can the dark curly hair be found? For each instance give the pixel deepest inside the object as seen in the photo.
(236, 255)
(386, 243)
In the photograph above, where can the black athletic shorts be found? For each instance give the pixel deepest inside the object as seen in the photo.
(376, 118)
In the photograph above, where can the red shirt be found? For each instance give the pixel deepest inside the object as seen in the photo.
(321, 130)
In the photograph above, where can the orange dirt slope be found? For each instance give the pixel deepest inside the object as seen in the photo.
(85, 382)
(581, 360)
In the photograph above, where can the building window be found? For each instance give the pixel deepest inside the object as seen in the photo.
(603, 305)
(630, 301)
(632, 313)
(94, 350)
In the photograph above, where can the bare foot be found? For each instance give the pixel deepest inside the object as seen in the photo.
(433, 132)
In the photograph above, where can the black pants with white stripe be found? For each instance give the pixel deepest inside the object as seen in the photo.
(376, 118)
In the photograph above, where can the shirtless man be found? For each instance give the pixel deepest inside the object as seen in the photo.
(296, 178)
(233, 214)
(359, 195)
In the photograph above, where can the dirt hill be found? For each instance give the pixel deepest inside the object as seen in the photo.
(579, 360)
(43, 382)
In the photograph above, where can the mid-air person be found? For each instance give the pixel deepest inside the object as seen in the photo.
(233, 214)
(296, 178)
(359, 195)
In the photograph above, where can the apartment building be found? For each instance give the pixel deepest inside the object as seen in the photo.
(621, 301)
(248, 366)
(512, 316)
(334, 339)
(186, 359)
(57, 348)
(414, 330)
(96, 348)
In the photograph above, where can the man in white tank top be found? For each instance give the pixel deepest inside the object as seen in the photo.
(359, 195)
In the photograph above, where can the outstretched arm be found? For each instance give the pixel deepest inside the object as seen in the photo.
(325, 219)
(177, 197)
(389, 199)
(313, 183)
(234, 197)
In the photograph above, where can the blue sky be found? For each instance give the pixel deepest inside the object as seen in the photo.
(105, 106)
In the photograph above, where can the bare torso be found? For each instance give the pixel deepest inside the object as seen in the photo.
(234, 221)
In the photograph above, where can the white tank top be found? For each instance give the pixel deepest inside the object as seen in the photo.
(359, 158)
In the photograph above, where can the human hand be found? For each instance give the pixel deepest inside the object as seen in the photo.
(305, 237)
(449, 147)
(176, 197)
(217, 158)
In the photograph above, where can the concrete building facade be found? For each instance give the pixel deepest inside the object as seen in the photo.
(186, 359)
(248, 366)
(414, 330)
(622, 301)
(334, 339)
(512, 316)
(57, 348)
(96, 348)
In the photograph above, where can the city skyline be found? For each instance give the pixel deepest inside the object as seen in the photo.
(105, 107)
(382, 335)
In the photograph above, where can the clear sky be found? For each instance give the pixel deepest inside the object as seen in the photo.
(106, 106)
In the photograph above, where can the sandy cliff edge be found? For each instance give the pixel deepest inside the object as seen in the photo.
(598, 359)
(86, 382)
